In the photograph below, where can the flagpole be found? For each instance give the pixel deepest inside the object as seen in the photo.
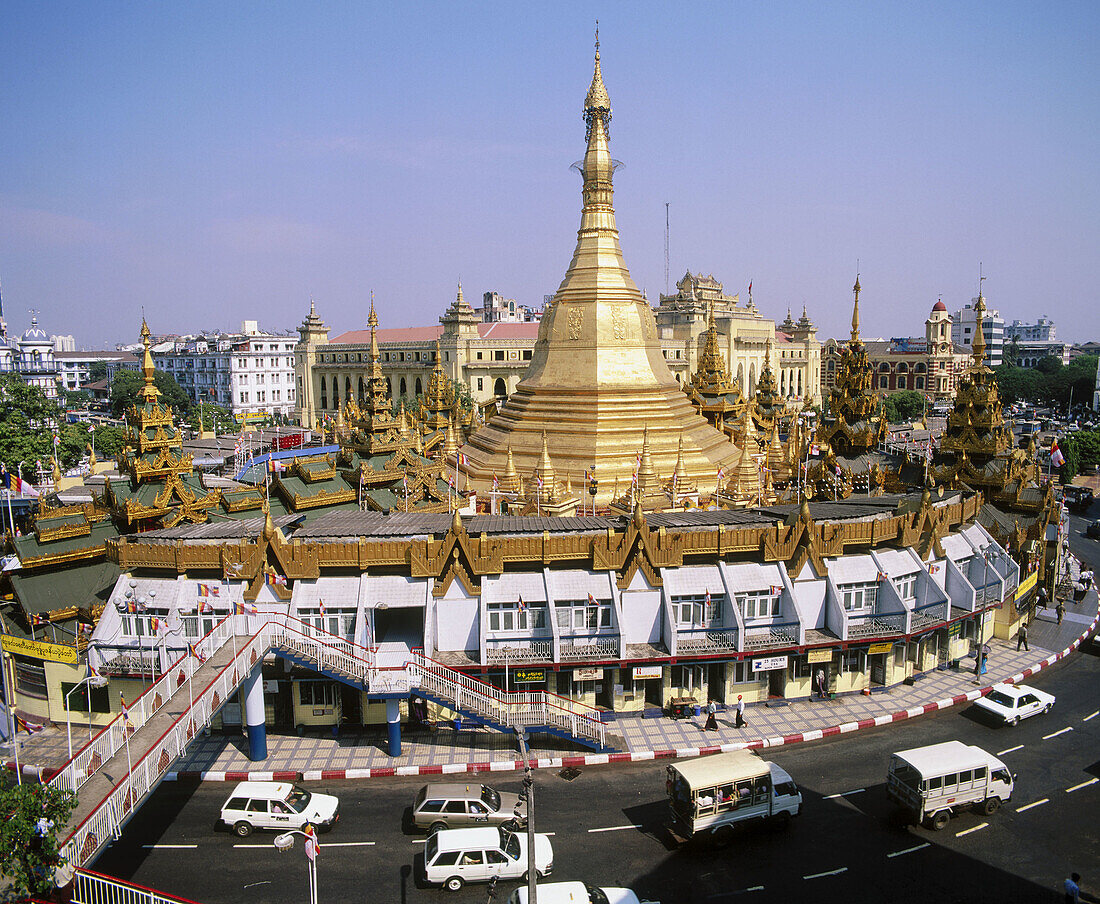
(11, 717)
(125, 734)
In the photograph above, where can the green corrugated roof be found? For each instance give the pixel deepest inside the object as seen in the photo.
(27, 547)
(80, 585)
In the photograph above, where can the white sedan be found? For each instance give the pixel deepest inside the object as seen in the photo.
(1012, 702)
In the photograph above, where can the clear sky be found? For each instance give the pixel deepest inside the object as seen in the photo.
(215, 162)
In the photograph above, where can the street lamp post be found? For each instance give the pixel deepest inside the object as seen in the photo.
(92, 680)
(285, 842)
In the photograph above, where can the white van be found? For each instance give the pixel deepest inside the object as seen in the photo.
(277, 805)
(707, 797)
(931, 783)
(576, 893)
(453, 857)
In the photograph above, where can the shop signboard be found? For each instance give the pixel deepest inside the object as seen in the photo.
(529, 676)
(587, 674)
(877, 648)
(814, 657)
(644, 672)
(35, 649)
(769, 664)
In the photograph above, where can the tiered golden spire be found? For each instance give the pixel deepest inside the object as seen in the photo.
(149, 391)
(855, 313)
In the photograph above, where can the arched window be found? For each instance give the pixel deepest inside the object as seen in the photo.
(347, 388)
(919, 369)
(500, 388)
(404, 390)
(883, 382)
(884, 368)
(800, 384)
(903, 368)
(901, 382)
(741, 377)
(389, 387)
(752, 378)
(324, 394)
(419, 387)
(918, 382)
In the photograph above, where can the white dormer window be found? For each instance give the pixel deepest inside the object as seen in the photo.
(857, 597)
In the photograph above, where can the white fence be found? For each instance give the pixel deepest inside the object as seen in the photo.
(95, 888)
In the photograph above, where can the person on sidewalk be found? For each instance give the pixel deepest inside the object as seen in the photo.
(1043, 599)
(1021, 638)
(712, 718)
(1073, 889)
(1060, 609)
(740, 712)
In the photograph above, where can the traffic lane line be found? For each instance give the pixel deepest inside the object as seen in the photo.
(327, 844)
(179, 847)
(844, 793)
(1037, 803)
(1091, 781)
(1091, 716)
(978, 827)
(911, 850)
(615, 828)
(1055, 734)
(832, 872)
(1011, 750)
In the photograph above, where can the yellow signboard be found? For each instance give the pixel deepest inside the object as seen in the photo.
(54, 652)
(815, 656)
(1027, 584)
(877, 648)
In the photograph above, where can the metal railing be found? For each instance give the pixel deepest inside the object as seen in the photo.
(872, 624)
(507, 651)
(95, 888)
(780, 633)
(707, 640)
(577, 649)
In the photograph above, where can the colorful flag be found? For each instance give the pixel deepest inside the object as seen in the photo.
(243, 608)
(496, 482)
(1056, 457)
(750, 287)
(193, 650)
(405, 482)
(933, 569)
(462, 459)
(721, 473)
(23, 487)
(882, 576)
(777, 590)
(125, 711)
(154, 623)
(815, 450)
(312, 845)
(39, 620)
(274, 580)
(204, 590)
(538, 480)
(321, 607)
(522, 606)
(592, 600)
(838, 471)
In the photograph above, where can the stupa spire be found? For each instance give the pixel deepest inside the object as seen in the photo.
(855, 312)
(978, 346)
(149, 391)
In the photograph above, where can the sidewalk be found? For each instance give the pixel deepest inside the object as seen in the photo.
(362, 753)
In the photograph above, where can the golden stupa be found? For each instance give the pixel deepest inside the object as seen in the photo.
(597, 377)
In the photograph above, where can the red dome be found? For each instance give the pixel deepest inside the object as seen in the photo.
(939, 306)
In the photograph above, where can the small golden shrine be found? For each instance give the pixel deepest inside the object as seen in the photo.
(711, 390)
(546, 495)
(768, 406)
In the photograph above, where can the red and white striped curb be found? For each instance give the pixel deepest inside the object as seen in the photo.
(602, 759)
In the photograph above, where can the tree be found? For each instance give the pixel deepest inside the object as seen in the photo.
(127, 385)
(109, 441)
(27, 423)
(30, 817)
(903, 406)
(98, 371)
(1082, 452)
(1011, 355)
(77, 399)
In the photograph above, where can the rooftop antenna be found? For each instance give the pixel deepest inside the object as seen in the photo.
(666, 247)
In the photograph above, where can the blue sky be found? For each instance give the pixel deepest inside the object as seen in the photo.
(215, 162)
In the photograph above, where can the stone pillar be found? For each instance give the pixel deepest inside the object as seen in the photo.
(393, 725)
(253, 691)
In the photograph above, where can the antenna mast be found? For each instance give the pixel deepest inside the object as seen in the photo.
(666, 247)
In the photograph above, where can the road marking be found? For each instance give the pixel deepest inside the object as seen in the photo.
(1011, 750)
(326, 844)
(980, 825)
(834, 872)
(1093, 716)
(614, 828)
(1038, 803)
(254, 884)
(910, 850)
(1055, 734)
(843, 793)
(184, 847)
(1091, 781)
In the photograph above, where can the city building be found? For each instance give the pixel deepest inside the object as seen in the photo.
(743, 336)
(932, 365)
(75, 368)
(1043, 330)
(487, 357)
(251, 372)
(495, 308)
(1029, 352)
(30, 356)
(993, 331)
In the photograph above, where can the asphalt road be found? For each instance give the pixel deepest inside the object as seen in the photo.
(608, 827)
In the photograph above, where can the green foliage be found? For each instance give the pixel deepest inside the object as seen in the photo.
(906, 405)
(1049, 382)
(78, 399)
(109, 441)
(126, 391)
(209, 416)
(27, 856)
(27, 422)
(98, 371)
(1082, 452)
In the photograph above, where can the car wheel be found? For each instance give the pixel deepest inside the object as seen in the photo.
(436, 826)
(782, 820)
(940, 820)
(722, 836)
(1015, 720)
(1048, 708)
(991, 806)
(243, 829)
(453, 884)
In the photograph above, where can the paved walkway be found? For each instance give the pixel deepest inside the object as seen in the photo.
(362, 753)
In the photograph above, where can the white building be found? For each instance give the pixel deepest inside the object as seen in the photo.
(993, 328)
(31, 356)
(75, 368)
(251, 373)
(1043, 330)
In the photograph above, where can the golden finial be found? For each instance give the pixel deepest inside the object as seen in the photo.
(372, 320)
(855, 311)
(149, 392)
(597, 102)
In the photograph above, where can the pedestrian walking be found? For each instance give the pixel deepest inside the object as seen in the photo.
(1061, 610)
(712, 718)
(740, 712)
(1043, 598)
(1021, 638)
(1073, 889)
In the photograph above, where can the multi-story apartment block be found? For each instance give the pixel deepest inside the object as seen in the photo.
(993, 329)
(251, 373)
(1043, 330)
(75, 368)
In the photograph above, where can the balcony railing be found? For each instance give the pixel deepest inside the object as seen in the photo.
(509, 651)
(575, 649)
(783, 634)
(707, 640)
(874, 624)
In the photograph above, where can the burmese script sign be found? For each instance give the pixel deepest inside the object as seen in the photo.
(54, 652)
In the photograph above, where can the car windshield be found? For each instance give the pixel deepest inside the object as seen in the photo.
(509, 843)
(298, 799)
(1001, 698)
(490, 797)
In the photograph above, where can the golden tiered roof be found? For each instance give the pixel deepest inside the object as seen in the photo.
(767, 404)
(597, 377)
(712, 391)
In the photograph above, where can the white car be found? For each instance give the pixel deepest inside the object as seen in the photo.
(576, 893)
(453, 857)
(277, 805)
(1012, 702)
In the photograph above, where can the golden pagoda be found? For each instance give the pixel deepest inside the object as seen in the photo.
(597, 376)
(744, 486)
(767, 404)
(711, 390)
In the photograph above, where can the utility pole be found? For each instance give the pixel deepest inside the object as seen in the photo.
(529, 793)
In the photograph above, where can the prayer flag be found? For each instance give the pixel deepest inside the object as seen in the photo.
(243, 608)
(1056, 457)
(321, 606)
(193, 650)
(312, 845)
(777, 590)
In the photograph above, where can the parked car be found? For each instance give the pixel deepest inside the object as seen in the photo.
(277, 805)
(453, 857)
(1078, 498)
(576, 893)
(1093, 530)
(454, 805)
(1010, 703)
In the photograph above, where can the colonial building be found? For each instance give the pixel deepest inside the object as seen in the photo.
(488, 358)
(75, 368)
(963, 328)
(30, 356)
(743, 334)
(932, 365)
